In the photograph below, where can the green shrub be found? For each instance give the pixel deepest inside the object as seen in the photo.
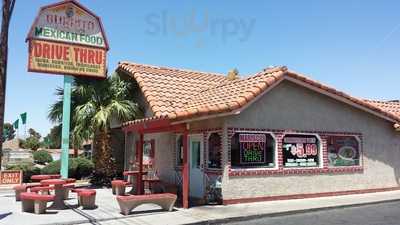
(77, 168)
(27, 170)
(42, 157)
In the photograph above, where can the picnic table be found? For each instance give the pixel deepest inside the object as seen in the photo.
(130, 174)
(45, 177)
(59, 192)
(151, 181)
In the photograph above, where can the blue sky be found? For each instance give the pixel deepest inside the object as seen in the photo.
(351, 45)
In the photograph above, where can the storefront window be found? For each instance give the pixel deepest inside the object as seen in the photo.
(300, 151)
(179, 150)
(252, 150)
(214, 151)
(343, 151)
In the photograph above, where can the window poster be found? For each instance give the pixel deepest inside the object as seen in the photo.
(343, 151)
(252, 148)
(300, 151)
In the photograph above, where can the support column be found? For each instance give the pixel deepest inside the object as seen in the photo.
(139, 184)
(185, 171)
(65, 126)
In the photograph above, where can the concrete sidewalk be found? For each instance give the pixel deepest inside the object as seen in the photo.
(221, 214)
(108, 211)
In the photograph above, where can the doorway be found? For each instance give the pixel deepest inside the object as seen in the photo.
(196, 164)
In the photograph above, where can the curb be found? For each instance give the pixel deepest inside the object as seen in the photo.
(287, 213)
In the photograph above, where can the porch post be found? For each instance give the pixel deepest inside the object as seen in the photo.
(139, 184)
(185, 171)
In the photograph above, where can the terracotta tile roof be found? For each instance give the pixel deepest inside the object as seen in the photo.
(388, 106)
(168, 89)
(183, 94)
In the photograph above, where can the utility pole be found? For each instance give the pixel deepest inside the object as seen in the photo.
(7, 10)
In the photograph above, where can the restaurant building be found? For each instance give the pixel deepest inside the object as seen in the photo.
(273, 135)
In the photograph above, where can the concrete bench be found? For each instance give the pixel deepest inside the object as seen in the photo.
(34, 202)
(86, 198)
(67, 188)
(119, 187)
(18, 189)
(127, 203)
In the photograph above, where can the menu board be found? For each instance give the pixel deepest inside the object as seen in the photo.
(252, 148)
(300, 151)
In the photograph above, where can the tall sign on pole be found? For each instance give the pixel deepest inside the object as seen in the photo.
(67, 39)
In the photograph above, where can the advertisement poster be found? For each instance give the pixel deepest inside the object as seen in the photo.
(252, 148)
(343, 151)
(300, 151)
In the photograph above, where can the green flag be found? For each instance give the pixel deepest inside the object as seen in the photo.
(16, 124)
(23, 118)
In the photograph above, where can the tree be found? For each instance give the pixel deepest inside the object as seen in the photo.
(8, 132)
(33, 133)
(33, 141)
(53, 139)
(42, 157)
(94, 104)
(7, 10)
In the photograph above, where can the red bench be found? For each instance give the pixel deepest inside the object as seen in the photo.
(127, 203)
(34, 202)
(86, 198)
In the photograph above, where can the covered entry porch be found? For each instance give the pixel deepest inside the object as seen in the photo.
(146, 128)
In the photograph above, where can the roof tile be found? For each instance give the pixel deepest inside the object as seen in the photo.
(182, 94)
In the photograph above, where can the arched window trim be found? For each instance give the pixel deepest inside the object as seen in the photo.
(219, 132)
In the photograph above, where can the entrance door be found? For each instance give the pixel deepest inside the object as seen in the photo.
(196, 166)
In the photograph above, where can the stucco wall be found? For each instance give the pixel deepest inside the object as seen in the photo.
(292, 107)
(164, 157)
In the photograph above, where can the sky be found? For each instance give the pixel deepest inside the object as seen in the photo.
(352, 45)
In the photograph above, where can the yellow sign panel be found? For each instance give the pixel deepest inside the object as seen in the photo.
(54, 57)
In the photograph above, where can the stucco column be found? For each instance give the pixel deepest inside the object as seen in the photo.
(185, 171)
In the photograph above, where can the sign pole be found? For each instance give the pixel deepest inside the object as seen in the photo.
(65, 125)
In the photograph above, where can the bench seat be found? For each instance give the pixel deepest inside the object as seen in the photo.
(86, 198)
(129, 202)
(34, 202)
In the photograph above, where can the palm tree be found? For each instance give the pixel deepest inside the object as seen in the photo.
(94, 103)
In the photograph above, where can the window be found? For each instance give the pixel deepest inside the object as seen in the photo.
(214, 151)
(300, 150)
(343, 151)
(252, 150)
(148, 153)
(179, 150)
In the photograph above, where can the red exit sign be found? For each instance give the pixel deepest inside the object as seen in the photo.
(11, 177)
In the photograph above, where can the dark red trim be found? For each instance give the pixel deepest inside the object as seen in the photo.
(140, 160)
(155, 126)
(302, 196)
(265, 172)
